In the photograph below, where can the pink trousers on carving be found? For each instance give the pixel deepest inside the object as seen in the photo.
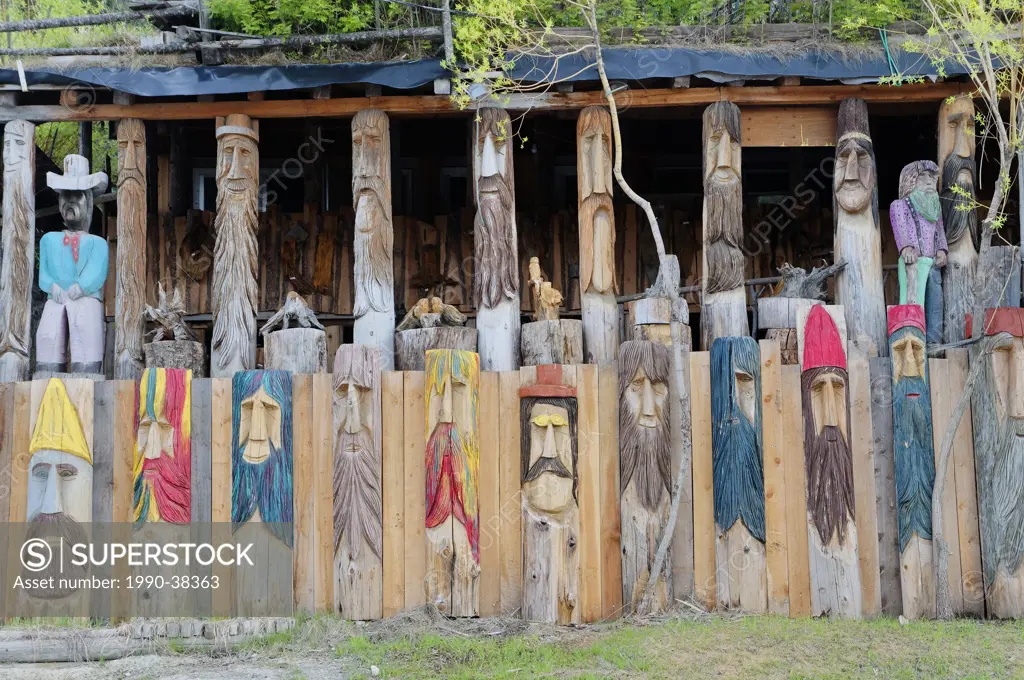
(84, 317)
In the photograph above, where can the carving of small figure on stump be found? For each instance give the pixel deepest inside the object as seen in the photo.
(173, 344)
(431, 324)
(959, 213)
(299, 350)
(495, 249)
(19, 250)
(168, 316)
(431, 313)
(921, 239)
(549, 339)
(546, 300)
(778, 314)
(724, 299)
(858, 239)
(72, 272)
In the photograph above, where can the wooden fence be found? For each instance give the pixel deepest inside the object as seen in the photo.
(110, 408)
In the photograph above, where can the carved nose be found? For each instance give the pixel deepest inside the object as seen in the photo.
(489, 158)
(829, 412)
(236, 165)
(353, 421)
(598, 169)
(549, 450)
(446, 415)
(258, 429)
(647, 399)
(852, 172)
(153, 442)
(724, 152)
(52, 503)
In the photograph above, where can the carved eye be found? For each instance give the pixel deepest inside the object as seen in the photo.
(67, 471)
(744, 378)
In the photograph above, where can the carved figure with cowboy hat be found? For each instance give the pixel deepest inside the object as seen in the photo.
(72, 271)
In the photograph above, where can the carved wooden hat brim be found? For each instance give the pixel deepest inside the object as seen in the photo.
(77, 177)
(238, 130)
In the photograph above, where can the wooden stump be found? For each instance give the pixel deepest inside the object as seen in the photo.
(786, 338)
(723, 315)
(299, 350)
(498, 339)
(552, 342)
(176, 354)
(601, 327)
(411, 345)
(778, 315)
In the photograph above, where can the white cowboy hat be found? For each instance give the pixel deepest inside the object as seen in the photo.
(76, 177)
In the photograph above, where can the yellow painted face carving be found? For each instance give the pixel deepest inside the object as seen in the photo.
(450, 404)
(646, 399)
(828, 402)
(155, 437)
(908, 358)
(259, 426)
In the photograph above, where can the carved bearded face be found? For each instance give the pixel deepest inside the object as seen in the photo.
(854, 176)
(260, 426)
(238, 165)
(645, 400)
(15, 151)
(131, 152)
(722, 156)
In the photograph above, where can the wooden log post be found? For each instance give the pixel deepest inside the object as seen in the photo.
(998, 415)
(828, 459)
(724, 299)
(234, 289)
(598, 282)
(130, 301)
(19, 250)
(858, 240)
(358, 510)
(645, 467)
(549, 445)
(495, 249)
(411, 346)
(553, 341)
(1002, 282)
(778, 316)
(738, 468)
(959, 214)
(299, 350)
(186, 354)
(915, 458)
(452, 481)
(651, 319)
(374, 306)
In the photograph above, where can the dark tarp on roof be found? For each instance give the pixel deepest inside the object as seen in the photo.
(621, 64)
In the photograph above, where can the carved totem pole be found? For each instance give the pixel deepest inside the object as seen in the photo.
(597, 235)
(916, 218)
(738, 471)
(724, 299)
(374, 306)
(831, 522)
(19, 250)
(645, 467)
(998, 413)
(453, 471)
(495, 245)
(261, 451)
(235, 293)
(548, 414)
(915, 457)
(72, 271)
(358, 509)
(858, 240)
(959, 174)
(130, 300)
(59, 481)
(163, 447)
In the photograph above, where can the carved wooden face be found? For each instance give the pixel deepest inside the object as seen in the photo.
(1008, 374)
(155, 437)
(259, 426)
(356, 402)
(131, 152)
(646, 399)
(550, 459)
(75, 208)
(907, 350)
(370, 149)
(59, 483)
(493, 151)
(595, 162)
(16, 146)
(927, 181)
(722, 156)
(854, 177)
(961, 125)
(237, 165)
(451, 400)
(829, 401)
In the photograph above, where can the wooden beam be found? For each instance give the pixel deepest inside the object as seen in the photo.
(808, 95)
(789, 126)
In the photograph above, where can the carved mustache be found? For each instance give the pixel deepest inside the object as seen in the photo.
(552, 465)
(130, 174)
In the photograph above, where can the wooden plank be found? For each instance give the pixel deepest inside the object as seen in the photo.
(7, 428)
(803, 95)
(798, 557)
(323, 490)
(774, 479)
(123, 394)
(611, 557)
(942, 406)
(864, 483)
(703, 480)
(18, 500)
(220, 505)
(202, 482)
(629, 253)
(885, 487)
(115, 427)
(966, 492)
(415, 485)
(789, 126)
(589, 492)
(490, 540)
(393, 489)
(510, 515)
(105, 495)
(304, 498)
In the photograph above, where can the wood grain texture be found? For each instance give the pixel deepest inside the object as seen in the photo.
(703, 481)
(885, 487)
(7, 428)
(323, 509)
(966, 494)
(18, 500)
(220, 457)
(611, 562)
(415, 483)
(943, 402)
(789, 126)
(490, 541)
(589, 492)
(393, 490)
(509, 520)
(202, 482)
(798, 556)
(861, 443)
(776, 534)
(303, 479)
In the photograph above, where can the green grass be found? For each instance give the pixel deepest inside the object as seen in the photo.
(753, 647)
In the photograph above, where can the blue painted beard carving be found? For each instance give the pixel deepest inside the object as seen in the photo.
(736, 440)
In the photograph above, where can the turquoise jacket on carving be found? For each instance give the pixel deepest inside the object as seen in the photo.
(57, 263)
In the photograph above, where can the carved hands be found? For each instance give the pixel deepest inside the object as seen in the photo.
(75, 292)
(58, 294)
(909, 255)
(940, 259)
